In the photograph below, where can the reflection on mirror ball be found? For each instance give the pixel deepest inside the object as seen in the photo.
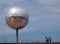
(17, 18)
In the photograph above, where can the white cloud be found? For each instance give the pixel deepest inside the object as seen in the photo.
(49, 6)
(48, 1)
(54, 9)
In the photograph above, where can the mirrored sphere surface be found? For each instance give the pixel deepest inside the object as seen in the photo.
(17, 18)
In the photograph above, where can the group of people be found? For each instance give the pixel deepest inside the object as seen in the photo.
(48, 39)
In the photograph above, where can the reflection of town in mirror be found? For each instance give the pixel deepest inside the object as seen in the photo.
(17, 22)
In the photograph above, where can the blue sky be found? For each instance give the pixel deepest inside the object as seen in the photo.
(44, 20)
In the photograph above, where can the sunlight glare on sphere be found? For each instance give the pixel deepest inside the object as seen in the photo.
(13, 10)
(16, 11)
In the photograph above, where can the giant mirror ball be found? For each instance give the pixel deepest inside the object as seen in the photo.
(17, 17)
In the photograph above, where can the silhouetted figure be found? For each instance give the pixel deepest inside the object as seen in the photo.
(48, 39)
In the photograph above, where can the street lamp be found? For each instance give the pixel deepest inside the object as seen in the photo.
(17, 18)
